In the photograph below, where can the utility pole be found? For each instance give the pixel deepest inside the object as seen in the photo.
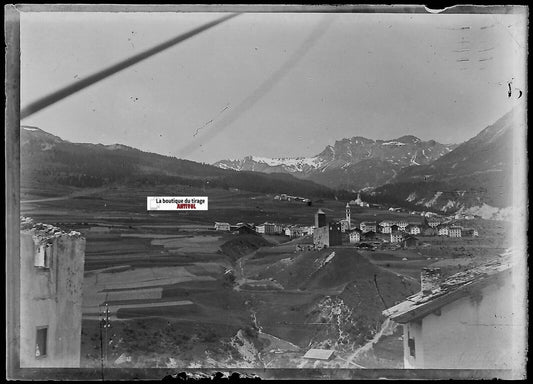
(106, 326)
(101, 342)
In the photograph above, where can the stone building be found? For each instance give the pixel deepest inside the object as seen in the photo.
(320, 219)
(335, 233)
(326, 235)
(51, 279)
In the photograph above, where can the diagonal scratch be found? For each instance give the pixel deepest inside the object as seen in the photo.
(210, 121)
(258, 93)
(203, 126)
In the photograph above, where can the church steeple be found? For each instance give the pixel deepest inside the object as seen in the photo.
(348, 216)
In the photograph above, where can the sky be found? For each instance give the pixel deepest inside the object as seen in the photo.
(271, 84)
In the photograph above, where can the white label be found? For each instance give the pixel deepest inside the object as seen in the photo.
(176, 203)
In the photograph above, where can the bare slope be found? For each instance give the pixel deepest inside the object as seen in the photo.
(47, 159)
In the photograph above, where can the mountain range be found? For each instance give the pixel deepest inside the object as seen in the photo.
(476, 174)
(46, 158)
(409, 172)
(351, 164)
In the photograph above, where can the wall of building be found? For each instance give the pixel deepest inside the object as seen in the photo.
(412, 331)
(320, 220)
(321, 237)
(335, 234)
(51, 298)
(473, 332)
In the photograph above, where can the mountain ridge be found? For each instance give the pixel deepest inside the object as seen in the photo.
(475, 176)
(341, 165)
(46, 158)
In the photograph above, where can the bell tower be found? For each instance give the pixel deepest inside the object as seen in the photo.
(348, 216)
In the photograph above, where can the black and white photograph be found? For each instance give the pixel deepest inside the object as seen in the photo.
(266, 192)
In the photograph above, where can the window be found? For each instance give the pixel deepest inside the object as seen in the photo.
(411, 345)
(41, 339)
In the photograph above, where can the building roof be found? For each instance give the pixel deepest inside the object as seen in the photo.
(320, 212)
(320, 354)
(454, 287)
(44, 231)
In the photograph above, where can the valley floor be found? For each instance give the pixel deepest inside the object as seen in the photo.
(177, 300)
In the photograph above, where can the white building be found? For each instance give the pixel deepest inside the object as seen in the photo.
(51, 281)
(443, 230)
(468, 321)
(397, 236)
(367, 226)
(402, 224)
(294, 231)
(355, 236)
(345, 225)
(222, 226)
(454, 231)
(413, 229)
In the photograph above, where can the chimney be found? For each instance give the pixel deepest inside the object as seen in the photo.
(430, 279)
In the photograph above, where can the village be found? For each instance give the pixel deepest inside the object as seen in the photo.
(388, 233)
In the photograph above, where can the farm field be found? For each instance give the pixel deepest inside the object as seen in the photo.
(181, 294)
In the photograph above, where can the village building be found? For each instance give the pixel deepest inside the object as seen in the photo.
(335, 234)
(269, 229)
(396, 236)
(413, 229)
(51, 278)
(326, 235)
(355, 236)
(454, 231)
(293, 232)
(443, 230)
(319, 354)
(367, 226)
(385, 226)
(320, 219)
(433, 222)
(308, 230)
(359, 202)
(466, 321)
(402, 224)
(244, 229)
(345, 225)
(222, 226)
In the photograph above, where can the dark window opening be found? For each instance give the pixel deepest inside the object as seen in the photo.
(41, 339)
(411, 344)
